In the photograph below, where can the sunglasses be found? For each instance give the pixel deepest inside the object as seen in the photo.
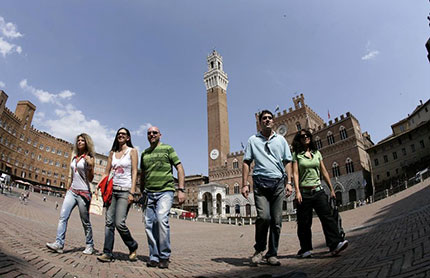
(152, 132)
(304, 136)
(267, 118)
(121, 133)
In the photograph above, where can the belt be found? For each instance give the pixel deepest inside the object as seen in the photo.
(120, 188)
(311, 190)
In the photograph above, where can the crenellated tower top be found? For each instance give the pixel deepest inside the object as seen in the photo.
(215, 76)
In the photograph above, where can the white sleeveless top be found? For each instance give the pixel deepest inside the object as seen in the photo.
(79, 170)
(122, 168)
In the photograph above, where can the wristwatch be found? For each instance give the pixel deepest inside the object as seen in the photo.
(182, 190)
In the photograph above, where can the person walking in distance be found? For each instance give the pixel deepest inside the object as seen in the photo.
(157, 180)
(272, 183)
(308, 166)
(123, 162)
(78, 194)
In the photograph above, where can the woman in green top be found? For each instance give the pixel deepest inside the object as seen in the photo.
(307, 168)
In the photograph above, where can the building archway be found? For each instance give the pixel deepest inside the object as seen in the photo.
(338, 198)
(248, 210)
(352, 195)
(207, 204)
(218, 204)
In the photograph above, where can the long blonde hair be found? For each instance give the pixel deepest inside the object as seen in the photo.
(89, 145)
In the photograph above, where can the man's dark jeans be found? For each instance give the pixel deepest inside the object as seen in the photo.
(268, 202)
(319, 202)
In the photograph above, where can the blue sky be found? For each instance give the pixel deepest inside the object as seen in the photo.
(94, 66)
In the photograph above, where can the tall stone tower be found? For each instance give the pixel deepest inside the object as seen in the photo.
(216, 82)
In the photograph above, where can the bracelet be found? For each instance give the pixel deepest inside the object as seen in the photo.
(289, 183)
(182, 190)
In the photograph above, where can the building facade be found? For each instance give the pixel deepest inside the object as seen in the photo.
(341, 143)
(29, 154)
(398, 157)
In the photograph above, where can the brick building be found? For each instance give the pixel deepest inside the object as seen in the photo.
(341, 143)
(27, 153)
(406, 151)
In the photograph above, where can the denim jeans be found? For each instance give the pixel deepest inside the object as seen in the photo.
(157, 224)
(116, 214)
(268, 202)
(319, 202)
(70, 201)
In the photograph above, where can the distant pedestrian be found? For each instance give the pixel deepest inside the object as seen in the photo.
(123, 162)
(78, 194)
(56, 205)
(308, 166)
(272, 183)
(157, 179)
(44, 198)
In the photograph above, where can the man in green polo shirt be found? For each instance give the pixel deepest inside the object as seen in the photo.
(157, 179)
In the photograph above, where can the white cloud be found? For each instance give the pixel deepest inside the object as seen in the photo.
(8, 29)
(2, 85)
(66, 121)
(71, 122)
(370, 53)
(44, 96)
(142, 129)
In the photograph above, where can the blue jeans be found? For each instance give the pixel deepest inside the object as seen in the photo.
(268, 202)
(70, 201)
(157, 224)
(116, 214)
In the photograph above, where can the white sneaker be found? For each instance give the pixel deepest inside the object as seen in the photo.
(340, 247)
(257, 258)
(306, 254)
(55, 246)
(89, 250)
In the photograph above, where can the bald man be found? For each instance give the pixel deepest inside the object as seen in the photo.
(157, 179)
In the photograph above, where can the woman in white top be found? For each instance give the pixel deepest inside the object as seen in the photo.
(78, 194)
(123, 162)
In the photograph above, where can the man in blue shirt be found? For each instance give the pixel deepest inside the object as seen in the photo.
(272, 182)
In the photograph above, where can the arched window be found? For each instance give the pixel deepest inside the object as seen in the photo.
(342, 132)
(352, 195)
(227, 209)
(248, 210)
(236, 188)
(349, 165)
(299, 126)
(235, 164)
(335, 169)
(330, 138)
(227, 189)
(338, 198)
(237, 209)
(318, 142)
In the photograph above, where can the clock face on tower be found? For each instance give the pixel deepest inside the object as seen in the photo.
(282, 130)
(214, 154)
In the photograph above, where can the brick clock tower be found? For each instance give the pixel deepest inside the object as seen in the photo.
(216, 82)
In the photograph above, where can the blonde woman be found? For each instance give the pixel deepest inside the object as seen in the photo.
(78, 194)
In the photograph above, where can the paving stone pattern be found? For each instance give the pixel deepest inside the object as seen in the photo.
(390, 238)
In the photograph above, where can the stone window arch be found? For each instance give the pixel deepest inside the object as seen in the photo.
(349, 165)
(342, 132)
(335, 169)
(227, 189)
(236, 188)
(235, 164)
(298, 126)
(318, 142)
(330, 138)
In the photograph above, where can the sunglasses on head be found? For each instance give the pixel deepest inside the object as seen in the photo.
(152, 132)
